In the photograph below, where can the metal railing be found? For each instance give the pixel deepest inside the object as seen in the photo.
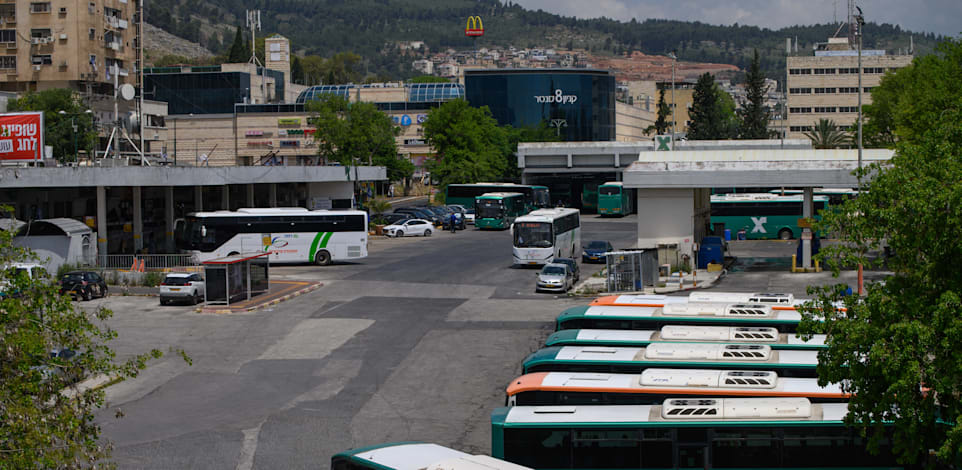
(163, 263)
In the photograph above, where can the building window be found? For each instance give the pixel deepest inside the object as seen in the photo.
(824, 91)
(91, 8)
(44, 59)
(848, 109)
(848, 70)
(92, 34)
(824, 71)
(8, 35)
(8, 62)
(40, 7)
(867, 89)
(800, 128)
(804, 110)
(39, 33)
(848, 89)
(800, 71)
(873, 70)
(800, 91)
(825, 109)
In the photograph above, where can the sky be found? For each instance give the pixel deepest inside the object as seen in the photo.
(936, 16)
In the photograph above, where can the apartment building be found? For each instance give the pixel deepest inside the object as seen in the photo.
(68, 44)
(825, 85)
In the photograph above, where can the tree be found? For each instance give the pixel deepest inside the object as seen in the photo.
(826, 135)
(357, 134)
(297, 70)
(47, 418)
(712, 112)
(515, 135)
(378, 206)
(896, 348)
(341, 68)
(909, 99)
(468, 143)
(662, 124)
(428, 79)
(58, 128)
(754, 115)
(239, 50)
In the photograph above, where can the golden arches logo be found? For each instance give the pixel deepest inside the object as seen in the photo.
(474, 26)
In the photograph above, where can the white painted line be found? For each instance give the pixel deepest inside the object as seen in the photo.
(249, 447)
(316, 338)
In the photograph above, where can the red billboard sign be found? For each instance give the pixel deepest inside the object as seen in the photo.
(21, 136)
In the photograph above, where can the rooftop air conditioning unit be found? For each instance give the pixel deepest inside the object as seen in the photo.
(36, 68)
(63, 37)
(63, 63)
(35, 40)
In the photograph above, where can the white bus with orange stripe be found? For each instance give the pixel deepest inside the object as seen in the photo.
(698, 334)
(653, 386)
(684, 313)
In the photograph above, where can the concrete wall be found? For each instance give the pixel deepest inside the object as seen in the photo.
(631, 122)
(666, 216)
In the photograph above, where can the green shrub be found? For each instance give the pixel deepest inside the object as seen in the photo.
(151, 279)
(65, 268)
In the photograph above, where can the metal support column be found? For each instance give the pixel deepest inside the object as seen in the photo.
(807, 210)
(272, 195)
(169, 217)
(101, 221)
(198, 198)
(225, 197)
(250, 195)
(138, 220)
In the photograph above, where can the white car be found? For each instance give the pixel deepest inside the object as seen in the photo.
(410, 227)
(182, 286)
(469, 216)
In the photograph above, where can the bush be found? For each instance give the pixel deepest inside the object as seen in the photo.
(65, 268)
(151, 279)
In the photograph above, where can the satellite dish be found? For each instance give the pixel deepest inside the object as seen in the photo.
(127, 91)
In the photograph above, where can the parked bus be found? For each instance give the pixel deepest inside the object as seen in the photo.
(615, 199)
(785, 363)
(654, 386)
(589, 197)
(415, 456)
(686, 433)
(291, 235)
(696, 334)
(545, 234)
(498, 210)
(761, 215)
(776, 300)
(694, 314)
(535, 197)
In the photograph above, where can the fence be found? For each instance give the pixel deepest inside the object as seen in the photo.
(630, 271)
(162, 263)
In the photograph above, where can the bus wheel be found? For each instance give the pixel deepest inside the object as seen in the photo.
(322, 258)
(784, 234)
(233, 253)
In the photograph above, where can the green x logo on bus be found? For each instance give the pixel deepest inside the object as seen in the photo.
(662, 142)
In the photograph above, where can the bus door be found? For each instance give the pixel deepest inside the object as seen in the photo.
(692, 449)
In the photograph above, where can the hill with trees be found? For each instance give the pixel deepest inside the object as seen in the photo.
(372, 29)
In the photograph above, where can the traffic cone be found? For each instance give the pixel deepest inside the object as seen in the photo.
(133, 267)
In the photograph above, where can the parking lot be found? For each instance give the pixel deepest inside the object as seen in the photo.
(415, 342)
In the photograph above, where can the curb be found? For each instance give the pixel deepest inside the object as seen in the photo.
(220, 311)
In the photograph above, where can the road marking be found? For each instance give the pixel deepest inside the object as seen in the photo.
(316, 338)
(249, 447)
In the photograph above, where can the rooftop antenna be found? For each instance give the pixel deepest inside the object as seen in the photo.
(254, 23)
(852, 23)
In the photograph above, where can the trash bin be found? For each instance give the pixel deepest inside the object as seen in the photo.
(711, 250)
(742, 234)
(728, 234)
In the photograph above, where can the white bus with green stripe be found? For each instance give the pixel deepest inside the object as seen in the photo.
(290, 234)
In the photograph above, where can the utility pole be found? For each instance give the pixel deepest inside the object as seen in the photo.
(673, 104)
(859, 22)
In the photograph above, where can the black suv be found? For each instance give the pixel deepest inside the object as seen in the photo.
(572, 265)
(83, 284)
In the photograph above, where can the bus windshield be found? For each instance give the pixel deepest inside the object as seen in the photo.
(533, 235)
(489, 209)
(609, 190)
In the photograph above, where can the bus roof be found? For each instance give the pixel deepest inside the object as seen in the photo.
(668, 382)
(691, 333)
(260, 212)
(424, 456)
(546, 215)
(733, 354)
(686, 311)
(762, 197)
(612, 183)
(710, 411)
(499, 195)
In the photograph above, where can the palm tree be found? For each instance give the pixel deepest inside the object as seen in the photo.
(378, 206)
(827, 135)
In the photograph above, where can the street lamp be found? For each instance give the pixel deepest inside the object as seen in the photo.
(673, 104)
(859, 22)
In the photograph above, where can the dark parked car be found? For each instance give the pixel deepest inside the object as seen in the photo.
(419, 213)
(83, 284)
(595, 251)
(389, 218)
(572, 265)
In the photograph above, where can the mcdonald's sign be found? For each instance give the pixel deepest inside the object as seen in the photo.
(474, 27)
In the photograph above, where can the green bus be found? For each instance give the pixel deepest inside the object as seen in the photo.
(498, 210)
(614, 199)
(692, 314)
(535, 197)
(762, 215)
(704, 433)
(589, 197)
(695, 334)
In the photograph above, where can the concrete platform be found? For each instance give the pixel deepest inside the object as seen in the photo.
(279, 292)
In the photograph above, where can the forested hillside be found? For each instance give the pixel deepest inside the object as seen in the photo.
(371, 28)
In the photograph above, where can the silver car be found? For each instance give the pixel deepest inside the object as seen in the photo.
(555, 277)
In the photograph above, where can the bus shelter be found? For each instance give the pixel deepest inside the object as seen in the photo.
(236, 278)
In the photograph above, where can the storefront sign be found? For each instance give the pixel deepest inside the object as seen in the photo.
(405, 120)
(422, 118)
(289, 122)
(558, 97)
(21, 136)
